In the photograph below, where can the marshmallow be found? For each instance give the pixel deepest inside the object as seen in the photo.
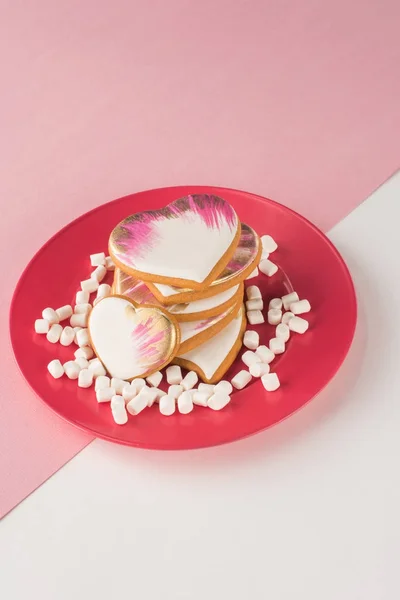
(54, 333)
(55, 369)
(97, 259)
(118, 410)
(268, 243)
(82, 297)
(72, 369)
(255, 317)
(265, 354)
(206, 388)
(64, 312)
(283, 331)
(109, 264)
(253, 292)
(271, 382)
(67, 336)
(264, 254)
(42, 326)
(90, 285)
(139, 402)
(185, 402)
(286, 317)
(85, 378)
(300, 307)
(189, 381)
(254, 273)
(118, 384)
(50, 315)
(274, 316)
(138, 384)
(152, 396)
(255, 304)
(250, 358)
(289, 299)
(82, 337)
(82, 309)
(167, 405)
(159, 393)
(128, 393)
(79, 320)
(200, 398)
(218, 400)
(76, 329)
(277, 345)
(102, 382)
(223, 386)
(259, 369)
(85, 352)
(82, 362)
(174, 374)
(96, 367)
(103, 291)
(241, 380)
(175, 390)
(104, 394)
(296, 324)
(275, 303)
(268, 268)
(154, 379)
(99, 273)
(251, 339)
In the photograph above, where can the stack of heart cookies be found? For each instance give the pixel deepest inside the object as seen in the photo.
(179, 276)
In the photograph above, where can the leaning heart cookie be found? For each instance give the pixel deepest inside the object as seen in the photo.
(132, 341)
(185, 244)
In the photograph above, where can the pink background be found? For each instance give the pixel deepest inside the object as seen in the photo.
(297, 101)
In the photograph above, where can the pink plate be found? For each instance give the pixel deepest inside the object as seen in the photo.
(308, 263)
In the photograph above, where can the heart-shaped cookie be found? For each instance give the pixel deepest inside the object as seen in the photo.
(186, 244)
(132, 341)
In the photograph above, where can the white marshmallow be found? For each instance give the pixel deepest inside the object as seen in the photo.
(254, 273)
(82, 309)
(275, 303)
(117, 401)
(249, 357)
(159, 393)
(99, 273)
(300, 307)
(268, 268)
(218, 400)
(138, 384)
(82, 362)
(128, 393)
(110, 266)
(104, 394)
(50, 315)
(223, 386)
(277, 345)
(253, 292)
(154, 379)
(296, 324)
(268, 243)
(118, 410)
(255, 317)
(264, 254)
(90, 285)
(82, 297)
(200, 398)
(97, 259)
(206, 388)
(64, 312)
(265, 354)
(274, 316)
(55, 369)
(282, 331)
(103, 291)
(251, 339)
(118, 384)
(167, 405)
(152, 396)
(270, 382)
(185, 402)
(139, 402)
(189, 381)
(79, 320)
(259, 369)
(255, 304)
(76, 329)
(72, 369)
(82, 337)
(54, 333)
(67, 336)
(85, 378)
(42, 326)
(174, 374)
(102, 382)
(286, 317)
(96, 367)
(241, 380)
(85, 352)
(288, 299)
(175, 390)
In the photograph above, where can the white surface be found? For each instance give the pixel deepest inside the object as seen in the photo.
(309, 509)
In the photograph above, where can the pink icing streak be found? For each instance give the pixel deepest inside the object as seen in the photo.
(147, 339)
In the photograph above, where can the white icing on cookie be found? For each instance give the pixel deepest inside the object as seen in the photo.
(192, 328)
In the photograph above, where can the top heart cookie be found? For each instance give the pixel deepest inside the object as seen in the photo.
(186, 244)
